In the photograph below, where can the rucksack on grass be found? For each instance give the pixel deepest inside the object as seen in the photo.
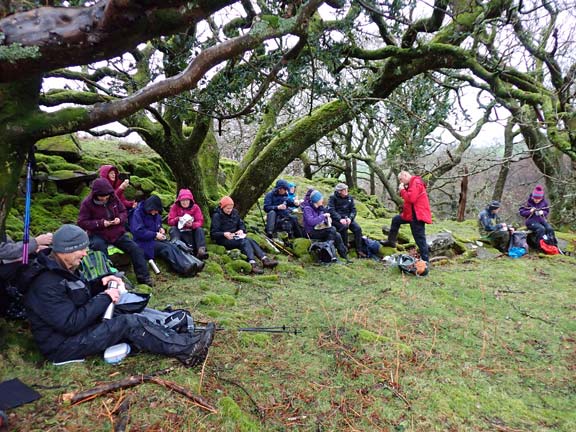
(413, 266)
(323, 251)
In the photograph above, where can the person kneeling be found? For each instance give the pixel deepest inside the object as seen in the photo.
(66, 311)
(228, 230)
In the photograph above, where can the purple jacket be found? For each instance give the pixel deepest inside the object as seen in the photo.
(534, 218)
(144, 225)
(312, 215)
(92, 216)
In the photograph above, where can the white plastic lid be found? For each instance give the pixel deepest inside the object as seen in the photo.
(116, 353)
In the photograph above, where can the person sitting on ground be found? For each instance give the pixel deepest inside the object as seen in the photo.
(416, 212)
(65, 311)
(10, 269)
(493, 229)
(535, 211)
(343, 212)
(318, 222)
(103, 216)
(277, 206)
(186, 220)
(228, 230)
(292, 197)
(110, 173)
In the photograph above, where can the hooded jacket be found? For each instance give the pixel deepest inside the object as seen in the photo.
(341, 207)
(92, 215)
(221, 223)
(144, 225)
(312, 215)
(273, 199)
(488, 222)
(531, 218)
(104, 171)
(177, 211)
(416, 201)
(60, 304)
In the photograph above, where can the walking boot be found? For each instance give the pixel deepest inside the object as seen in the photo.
(202, 253)
(269, 262)
(388, 243)
(256, 269)
(199, 350)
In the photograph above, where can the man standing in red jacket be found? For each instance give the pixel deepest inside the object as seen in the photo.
(416, 212)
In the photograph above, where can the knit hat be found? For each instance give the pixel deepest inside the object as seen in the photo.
(69, 238)
(494, 205)
(341, 186)
(226, 201)
(538, 192)
(315, 197)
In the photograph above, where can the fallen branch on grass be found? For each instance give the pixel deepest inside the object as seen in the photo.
(123, 415)
(86, 395)
(526, 314)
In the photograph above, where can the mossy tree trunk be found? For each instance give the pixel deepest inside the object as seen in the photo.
(18, 100)
(505, 167)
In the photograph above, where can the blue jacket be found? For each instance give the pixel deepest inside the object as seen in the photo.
(273, 199)
(488, 222)
(144, 226)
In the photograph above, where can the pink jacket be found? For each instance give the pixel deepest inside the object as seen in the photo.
(177, 211)
(104, 170)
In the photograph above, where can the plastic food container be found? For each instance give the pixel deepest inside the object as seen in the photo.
(116, 353)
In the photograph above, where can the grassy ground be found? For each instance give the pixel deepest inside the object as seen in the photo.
(478, 345)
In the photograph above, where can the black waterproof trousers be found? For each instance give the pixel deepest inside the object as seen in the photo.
(356, 230)
(125, 244)
(246, 245)
(137, 331)
(330, 234)
(418, 229)
(193, 238)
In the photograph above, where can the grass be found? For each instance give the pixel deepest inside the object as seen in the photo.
(483, 345)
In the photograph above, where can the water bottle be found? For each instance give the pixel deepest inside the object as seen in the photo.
(155, 268)
(110, 309)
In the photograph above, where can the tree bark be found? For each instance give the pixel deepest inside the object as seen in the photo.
(505, 167)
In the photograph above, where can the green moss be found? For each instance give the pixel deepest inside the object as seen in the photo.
(212, 268)
(301, 246)
(369, 337)
(290, 269)
(254, 339)
(216, 249)
(211, 299)
(62, 145)
(144, 184)
(231, 413)
(238, 266)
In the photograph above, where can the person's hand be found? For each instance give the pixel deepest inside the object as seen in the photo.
(160, 236)
(189, 224)
(348, 220)
(532, 210)
(115, 221)
(504, 227)
(44, 239)
(124, 184)
(343, 221)
(297, 201)
(282, 206)
(134, 204)
(113, 293)
(239, 232)
(162, 230)
(229, 235)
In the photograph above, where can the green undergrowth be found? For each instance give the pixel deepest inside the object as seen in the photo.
(483, 345)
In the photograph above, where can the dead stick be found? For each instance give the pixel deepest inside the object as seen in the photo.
(526, 314)
(123, 414)
(197, 400)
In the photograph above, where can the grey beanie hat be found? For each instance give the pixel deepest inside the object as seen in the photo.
(341, 186)
(69, 238)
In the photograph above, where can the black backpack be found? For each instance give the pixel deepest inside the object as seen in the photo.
(323, 251)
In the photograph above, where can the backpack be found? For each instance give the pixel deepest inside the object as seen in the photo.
(410, 265)
(548, 249)
(518, 241)
(323, 251)
(178, 320)
(371, 247)
(95, 265)
(181, 259)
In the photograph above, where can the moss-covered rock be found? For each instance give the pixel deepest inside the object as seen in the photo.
(238, 266)
(231, 413)
(212, 299)
(212, 268)
(64, 146)
(301, 246)
(216, 249)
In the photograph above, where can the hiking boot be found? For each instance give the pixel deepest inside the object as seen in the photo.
(388, 243)
(256, 269)
(269, 262)
(199, 350)
(202, 253)
(147, 281)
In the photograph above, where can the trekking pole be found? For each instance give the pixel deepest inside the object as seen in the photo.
(280, 329)
(275, 245)
(26, 239)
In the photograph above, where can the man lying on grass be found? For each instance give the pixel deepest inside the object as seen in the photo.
(66, 312)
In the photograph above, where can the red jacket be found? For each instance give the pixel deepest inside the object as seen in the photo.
(104, 170)
(177, 211)
(415, 197)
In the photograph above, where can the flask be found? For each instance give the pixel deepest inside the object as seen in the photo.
(110, 309)
(155, 268)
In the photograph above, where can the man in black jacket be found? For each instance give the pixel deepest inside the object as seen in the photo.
(343, 212)
(227, 229)
(66, 312)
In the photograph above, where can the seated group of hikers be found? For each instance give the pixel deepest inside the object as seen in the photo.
(535, 212)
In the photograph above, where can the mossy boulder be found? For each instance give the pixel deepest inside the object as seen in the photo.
(238, 266)
(301, 246)
(64, 146)
(236, 418)
(212, 268)
(216, 249)
(213, 299)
